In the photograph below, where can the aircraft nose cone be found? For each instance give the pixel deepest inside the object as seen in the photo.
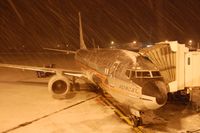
(161, 98)
(156, 89)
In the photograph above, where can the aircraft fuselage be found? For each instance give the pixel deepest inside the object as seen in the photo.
(129, 77)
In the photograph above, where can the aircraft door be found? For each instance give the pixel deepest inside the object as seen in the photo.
(113, 68)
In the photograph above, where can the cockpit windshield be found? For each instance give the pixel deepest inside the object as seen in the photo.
(156, 73)
(142, 74)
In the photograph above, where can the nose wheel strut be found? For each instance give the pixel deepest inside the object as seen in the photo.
(137, 121)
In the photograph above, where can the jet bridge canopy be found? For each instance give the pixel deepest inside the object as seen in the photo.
(164, 58)
(178, 66)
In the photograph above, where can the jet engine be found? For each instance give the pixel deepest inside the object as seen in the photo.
(59, 86)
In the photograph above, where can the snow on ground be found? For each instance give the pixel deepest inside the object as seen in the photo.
(89, 117)
(24, 100)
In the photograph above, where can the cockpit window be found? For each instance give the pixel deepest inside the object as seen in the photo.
(143, 74)
(139, 74)
(131, 74)
(128, 73)
(156, 73)
(146, 74)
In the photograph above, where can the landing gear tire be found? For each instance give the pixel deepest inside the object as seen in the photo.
(137, 121)
(75, 85)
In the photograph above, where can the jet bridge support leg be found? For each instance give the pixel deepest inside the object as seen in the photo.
(182, 96)
(195, 99)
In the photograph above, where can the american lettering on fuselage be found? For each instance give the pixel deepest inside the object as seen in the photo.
(130, 78)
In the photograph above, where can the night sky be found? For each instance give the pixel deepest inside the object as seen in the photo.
(48, 23)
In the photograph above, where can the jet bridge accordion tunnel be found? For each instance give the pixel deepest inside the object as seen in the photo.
(178, 66)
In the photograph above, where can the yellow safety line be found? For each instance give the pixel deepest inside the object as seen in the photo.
(117, 111)
(138, 129)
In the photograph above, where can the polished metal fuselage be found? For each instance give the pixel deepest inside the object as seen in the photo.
(107, 67)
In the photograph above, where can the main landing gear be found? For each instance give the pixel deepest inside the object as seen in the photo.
(74, 85)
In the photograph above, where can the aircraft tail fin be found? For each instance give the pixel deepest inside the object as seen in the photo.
(82, 43)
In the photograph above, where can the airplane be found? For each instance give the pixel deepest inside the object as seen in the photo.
(131, 79)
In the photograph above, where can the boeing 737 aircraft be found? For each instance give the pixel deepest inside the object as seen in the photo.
(133, 80)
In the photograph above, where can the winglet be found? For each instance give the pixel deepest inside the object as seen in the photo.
(82, 43)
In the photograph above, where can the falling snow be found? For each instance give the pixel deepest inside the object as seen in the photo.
(30, 24)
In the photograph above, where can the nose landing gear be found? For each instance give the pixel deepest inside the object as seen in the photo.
(137, 121)
(135, 117)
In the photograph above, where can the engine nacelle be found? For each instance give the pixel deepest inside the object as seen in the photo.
(59, 86)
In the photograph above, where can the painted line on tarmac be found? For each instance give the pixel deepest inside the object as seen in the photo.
(139, 129)
(45, 116)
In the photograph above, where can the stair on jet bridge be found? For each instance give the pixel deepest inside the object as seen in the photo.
(164, 58)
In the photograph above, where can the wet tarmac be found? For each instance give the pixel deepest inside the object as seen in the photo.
(26, 106)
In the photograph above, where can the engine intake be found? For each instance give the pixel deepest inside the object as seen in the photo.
(59, 86)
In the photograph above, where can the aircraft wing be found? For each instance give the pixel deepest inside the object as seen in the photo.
(44, 69)
(60, 50)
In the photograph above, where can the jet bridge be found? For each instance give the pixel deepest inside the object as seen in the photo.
(178, 65)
